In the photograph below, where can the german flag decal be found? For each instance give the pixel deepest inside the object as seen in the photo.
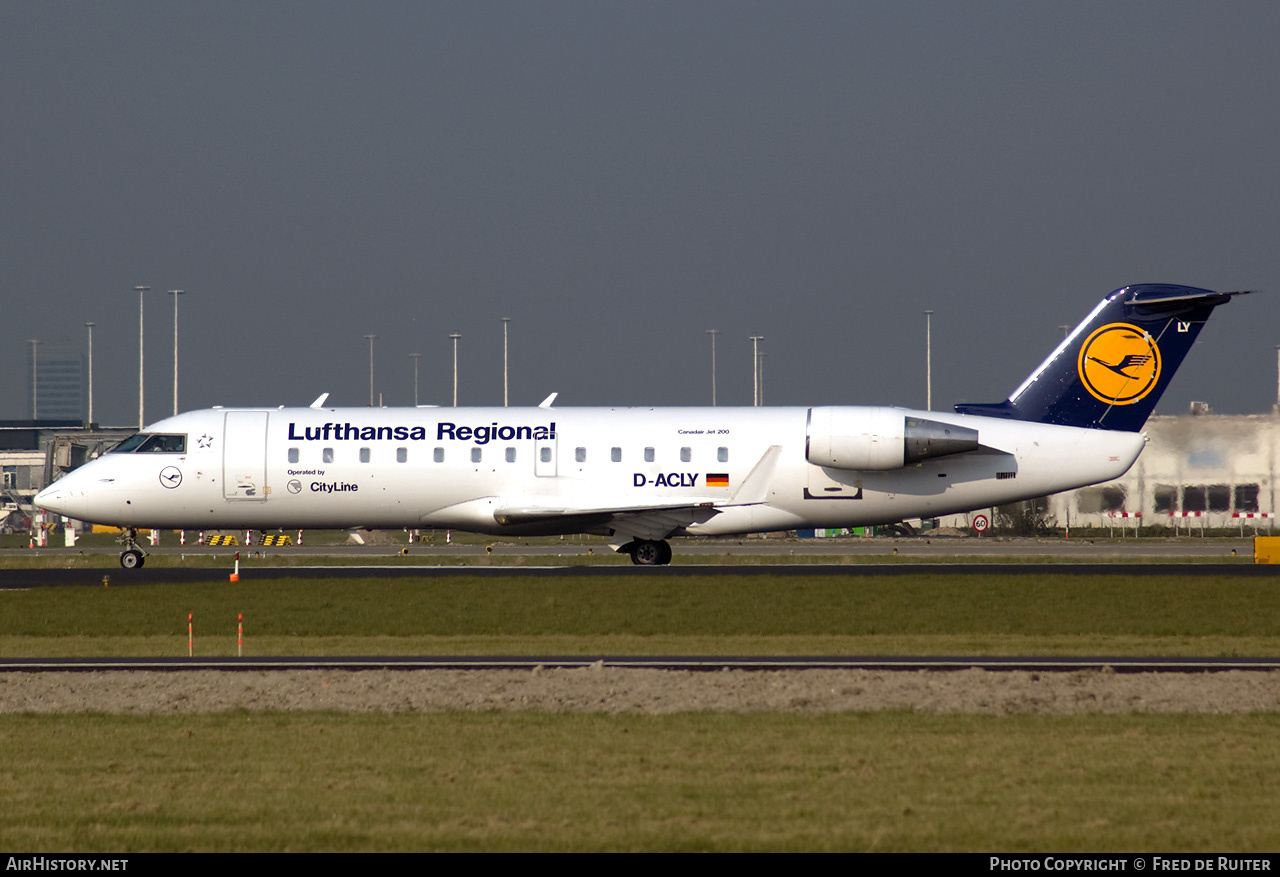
(717, 479)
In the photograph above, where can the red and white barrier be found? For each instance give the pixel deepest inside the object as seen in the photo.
(1124, 516)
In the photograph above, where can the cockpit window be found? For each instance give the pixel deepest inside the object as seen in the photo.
(130, 444)
(144, 443)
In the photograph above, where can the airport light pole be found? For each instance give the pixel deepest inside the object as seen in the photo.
(35, 368)
(90, 328)
(505, 322)
(928, 360)
(762, 356)
(415, 357)
(713, 333)
(755, 369)
(141, 290)
(371, 337)
(455, 336)
(175, 293)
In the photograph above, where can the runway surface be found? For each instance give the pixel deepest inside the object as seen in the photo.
(1094, 547)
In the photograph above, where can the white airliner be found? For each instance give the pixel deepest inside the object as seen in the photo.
(641, 475)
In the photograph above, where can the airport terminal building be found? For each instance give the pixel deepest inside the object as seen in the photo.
(1199, 470)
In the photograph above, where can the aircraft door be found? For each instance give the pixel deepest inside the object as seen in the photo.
(244, 456)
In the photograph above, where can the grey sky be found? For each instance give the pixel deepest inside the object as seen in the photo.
(620, 177)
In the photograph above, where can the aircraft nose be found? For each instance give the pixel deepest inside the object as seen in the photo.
(50, 499)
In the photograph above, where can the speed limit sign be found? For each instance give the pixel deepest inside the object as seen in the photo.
(980, 524)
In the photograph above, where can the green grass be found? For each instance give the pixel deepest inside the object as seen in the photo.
(912, 614)
(720, 782)
(856, 782)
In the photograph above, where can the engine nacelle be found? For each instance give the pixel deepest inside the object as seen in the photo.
(880, 438)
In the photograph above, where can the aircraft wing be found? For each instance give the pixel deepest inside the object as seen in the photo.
(650, 521)
(640, 521)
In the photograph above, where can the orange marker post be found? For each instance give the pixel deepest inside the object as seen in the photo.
(240, 635)
(235, 576)
(190, 637)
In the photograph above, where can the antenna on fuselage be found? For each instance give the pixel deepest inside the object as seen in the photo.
(546, 403)
(319, 403)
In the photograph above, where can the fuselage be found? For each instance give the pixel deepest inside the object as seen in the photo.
(561, 470)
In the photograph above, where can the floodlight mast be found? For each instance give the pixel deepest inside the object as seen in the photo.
(141, 290)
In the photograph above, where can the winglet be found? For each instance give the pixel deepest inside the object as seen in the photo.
(754, 489)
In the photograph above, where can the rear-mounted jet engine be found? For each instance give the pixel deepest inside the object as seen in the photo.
(881, 438)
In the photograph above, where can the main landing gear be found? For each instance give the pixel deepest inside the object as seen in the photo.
(649, 552)
(132, 557)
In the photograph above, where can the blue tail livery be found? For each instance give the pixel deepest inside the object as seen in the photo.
(1111, 370)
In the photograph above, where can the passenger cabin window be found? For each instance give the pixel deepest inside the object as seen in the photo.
(648, 455)
(546, 455)
(148, 443)
(722, 455)
(580, 454)
(475, 454)
(293, 455)
(402, 455)
(685, 455)
(615, 454)
(364, 455)
(327, 455)
(511, 455)
(438, 455)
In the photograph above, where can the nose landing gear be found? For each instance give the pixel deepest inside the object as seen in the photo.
(133, 557)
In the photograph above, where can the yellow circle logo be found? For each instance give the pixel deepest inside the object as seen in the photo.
(1119, 363)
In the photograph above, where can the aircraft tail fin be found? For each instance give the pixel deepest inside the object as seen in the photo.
(1111, 370)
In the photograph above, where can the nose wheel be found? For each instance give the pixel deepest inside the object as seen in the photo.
(133, 557)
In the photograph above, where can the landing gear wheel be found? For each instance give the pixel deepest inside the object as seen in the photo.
(650, 552)
(132, 557)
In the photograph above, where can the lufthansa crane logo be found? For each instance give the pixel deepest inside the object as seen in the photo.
(1119, 363)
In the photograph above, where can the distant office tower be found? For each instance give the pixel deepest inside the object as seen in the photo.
(60, 382)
